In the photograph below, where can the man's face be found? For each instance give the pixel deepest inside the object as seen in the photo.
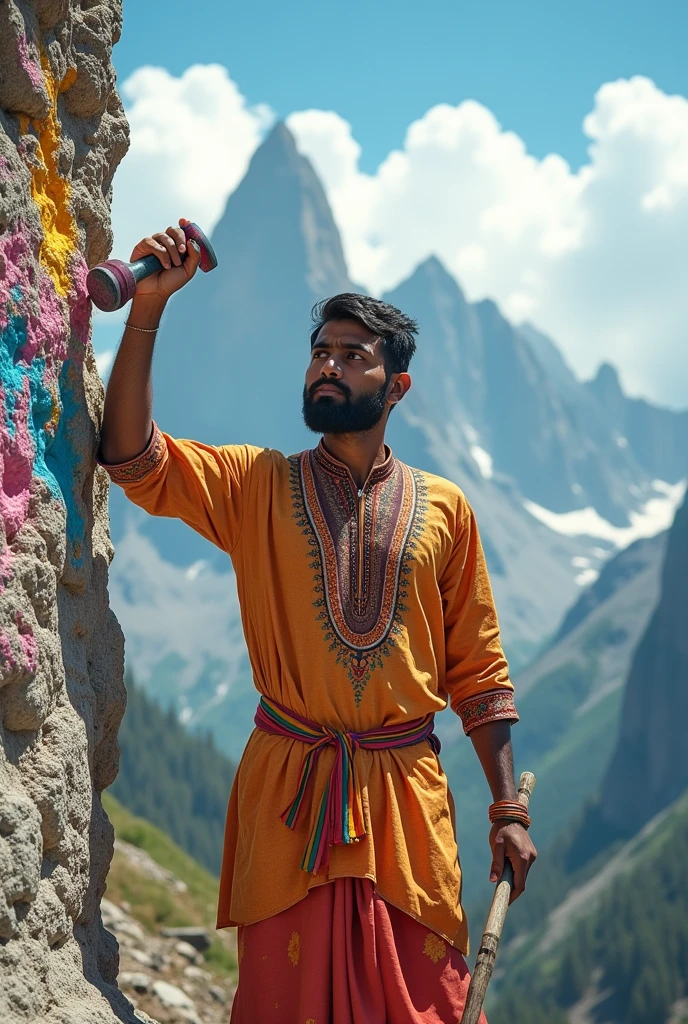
(347, 384)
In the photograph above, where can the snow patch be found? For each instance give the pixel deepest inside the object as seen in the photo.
(655, 515)
(585, 578)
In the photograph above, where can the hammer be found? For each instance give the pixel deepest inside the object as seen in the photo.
(487, 952)
(113, 283)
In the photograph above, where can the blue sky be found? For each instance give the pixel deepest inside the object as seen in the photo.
(380, 65)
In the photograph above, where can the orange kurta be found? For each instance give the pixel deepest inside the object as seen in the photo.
(361, 609)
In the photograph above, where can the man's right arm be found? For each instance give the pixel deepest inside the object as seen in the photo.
(201, 484)
(128, 413)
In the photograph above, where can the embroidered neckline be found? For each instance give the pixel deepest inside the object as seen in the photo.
(361, 543)
(332, 465)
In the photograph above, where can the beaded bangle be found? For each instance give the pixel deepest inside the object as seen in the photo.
(509, 810)
(507, 820)
(144, 330)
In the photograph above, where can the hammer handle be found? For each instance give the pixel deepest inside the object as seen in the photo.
(487, 952)
(144, 267)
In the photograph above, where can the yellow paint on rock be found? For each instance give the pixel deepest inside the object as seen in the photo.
(50, 191)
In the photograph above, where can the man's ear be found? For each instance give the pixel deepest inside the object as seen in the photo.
(401, 384)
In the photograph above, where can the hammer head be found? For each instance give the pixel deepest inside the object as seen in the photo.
(208, 257)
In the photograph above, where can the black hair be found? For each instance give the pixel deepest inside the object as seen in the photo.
(385, 321)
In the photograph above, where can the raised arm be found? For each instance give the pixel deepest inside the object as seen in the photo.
(128, 414)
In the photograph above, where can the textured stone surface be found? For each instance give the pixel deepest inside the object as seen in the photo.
(649, 769)
(62, 134)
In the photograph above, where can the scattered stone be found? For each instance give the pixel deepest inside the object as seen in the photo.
(145, 865)
(172, 997)
(137, 980)
(186, 950)
(154, 961)
(124, 927)
(196, 973)
(165, 976)
(130, 932)
(111, 912)
(197, 937)
(218, 994)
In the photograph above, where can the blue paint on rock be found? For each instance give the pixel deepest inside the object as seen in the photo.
(63, 462)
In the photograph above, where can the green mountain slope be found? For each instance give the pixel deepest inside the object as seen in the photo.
(611, 944)
(569, 701)
(175, 779)
(153, 902)
(616, 949)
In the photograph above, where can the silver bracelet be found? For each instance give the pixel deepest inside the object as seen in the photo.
(144, 330)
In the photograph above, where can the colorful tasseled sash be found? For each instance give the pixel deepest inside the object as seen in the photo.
(340, 816)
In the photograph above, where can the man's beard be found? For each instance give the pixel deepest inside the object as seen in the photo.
(329, 415)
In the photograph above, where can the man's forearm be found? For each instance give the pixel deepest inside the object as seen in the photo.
(128, 412)
(492, 743)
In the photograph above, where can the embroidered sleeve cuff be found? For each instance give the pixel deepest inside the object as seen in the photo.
(487, 707)
(134, 470)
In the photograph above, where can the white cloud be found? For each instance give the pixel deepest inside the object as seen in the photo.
(597, 258)
(191, 140)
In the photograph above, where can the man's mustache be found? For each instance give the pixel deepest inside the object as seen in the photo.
(344, 388)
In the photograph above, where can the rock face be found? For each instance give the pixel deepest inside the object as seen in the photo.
(62, 134)
(649, 768)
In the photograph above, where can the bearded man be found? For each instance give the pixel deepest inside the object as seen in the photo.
(367, 608)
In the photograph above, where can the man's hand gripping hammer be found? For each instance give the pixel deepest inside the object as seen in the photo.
(113, 283)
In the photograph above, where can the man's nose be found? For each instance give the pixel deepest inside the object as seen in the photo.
(331, 368)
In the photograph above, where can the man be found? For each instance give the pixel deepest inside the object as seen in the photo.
(366, 607)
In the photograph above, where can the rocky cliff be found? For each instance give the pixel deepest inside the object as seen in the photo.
(649, 768)
(62, 134)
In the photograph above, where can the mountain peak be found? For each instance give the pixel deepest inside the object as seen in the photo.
(280, 210)
(607, 381)
(279, 138)
(433, 271)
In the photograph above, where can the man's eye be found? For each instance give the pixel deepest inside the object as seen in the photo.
(355, 355)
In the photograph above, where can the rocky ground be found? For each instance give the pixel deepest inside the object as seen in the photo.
(169, 974)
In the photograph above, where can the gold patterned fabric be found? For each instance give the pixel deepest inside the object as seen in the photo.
(361, 961)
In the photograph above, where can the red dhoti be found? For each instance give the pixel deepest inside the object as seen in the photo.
(342, 955)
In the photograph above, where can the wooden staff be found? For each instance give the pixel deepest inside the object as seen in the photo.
(487, 953)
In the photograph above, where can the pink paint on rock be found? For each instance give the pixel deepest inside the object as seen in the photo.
(30, 650)
(15, 258)
(29, 65)
(6, 559)
(16, 462)
(80, 304)
(6, 654)
(47, 332)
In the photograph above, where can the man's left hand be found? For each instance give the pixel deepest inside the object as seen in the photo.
(510, 841)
